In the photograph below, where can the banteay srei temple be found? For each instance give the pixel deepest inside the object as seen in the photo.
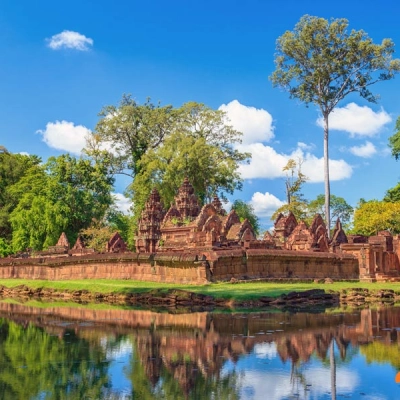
(192, 244)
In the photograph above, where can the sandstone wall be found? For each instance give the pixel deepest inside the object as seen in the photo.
(143, 267)
(183, 267)
(278, 264)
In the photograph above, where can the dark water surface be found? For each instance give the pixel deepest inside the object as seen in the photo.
(71, 352)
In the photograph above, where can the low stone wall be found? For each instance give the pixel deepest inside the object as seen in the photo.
(176, 268)
(187, 267)
(278, 264)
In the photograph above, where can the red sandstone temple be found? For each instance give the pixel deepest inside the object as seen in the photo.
(192, 244)
(207, 231)
(186, 226)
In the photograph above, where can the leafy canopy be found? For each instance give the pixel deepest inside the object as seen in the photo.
(321, 62)
(373, 216)
(65, 194)
(12, 168)
(201, 149)
(339, 209)
(246, 211)
(126, 132)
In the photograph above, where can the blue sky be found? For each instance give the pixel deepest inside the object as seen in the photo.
(62, 62)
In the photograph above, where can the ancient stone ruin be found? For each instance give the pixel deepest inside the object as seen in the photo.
(185, 226)
(187, 243)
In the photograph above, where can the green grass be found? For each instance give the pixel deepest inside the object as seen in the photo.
(238, 291)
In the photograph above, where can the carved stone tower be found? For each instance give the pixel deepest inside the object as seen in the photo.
(149, 224)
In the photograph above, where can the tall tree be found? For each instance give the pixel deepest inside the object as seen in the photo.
(320, 62)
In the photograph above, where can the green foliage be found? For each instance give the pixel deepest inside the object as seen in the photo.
(128, 131)
(5, 248)
(201, 149)
(393, 195)
(298, 206)
(321, 62)
(394, 141)
(373, 216)
(246, 211)
(339, 209)
(96, 236)
(65, 194)
(12, 168)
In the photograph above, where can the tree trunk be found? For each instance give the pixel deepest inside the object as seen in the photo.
(333, 370)
(326, 176)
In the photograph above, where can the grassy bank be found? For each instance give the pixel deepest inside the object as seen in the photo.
(237, 291)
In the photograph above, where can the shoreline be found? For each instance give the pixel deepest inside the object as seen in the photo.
(175, 297)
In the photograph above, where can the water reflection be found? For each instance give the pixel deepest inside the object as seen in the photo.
(82, 353)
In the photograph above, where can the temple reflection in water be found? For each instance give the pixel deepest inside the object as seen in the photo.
(120, 353)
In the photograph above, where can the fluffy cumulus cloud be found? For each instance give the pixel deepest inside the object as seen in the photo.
(358, 121)
(266, 162)
(255, 123)
(265, 204)
(64, 135)
(69, 40)
(366, 150)
(122, 203)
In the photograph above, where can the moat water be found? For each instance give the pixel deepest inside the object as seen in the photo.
(66, 351)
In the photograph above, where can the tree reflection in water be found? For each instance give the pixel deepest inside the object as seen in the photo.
(187, 356)
(35, 364)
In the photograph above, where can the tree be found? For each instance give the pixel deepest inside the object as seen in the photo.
(320, 62)
(339, 209)
(5, 248)
(373, 216)
(65, 194)
(201, 149)
(12, 168)
(393, 195)
(246, 211)
(293, 184)
(294, 197)
(127, 131)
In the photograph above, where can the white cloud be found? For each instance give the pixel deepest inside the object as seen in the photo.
(69, 40)
(356, 120)
(64, 135)
(367, 150)
(122, 203)
(255, 123)
(24, 153)
(305, 146)
(265, 204)
(267, 163)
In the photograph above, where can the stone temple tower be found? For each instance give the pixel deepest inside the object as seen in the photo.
(149, 224)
